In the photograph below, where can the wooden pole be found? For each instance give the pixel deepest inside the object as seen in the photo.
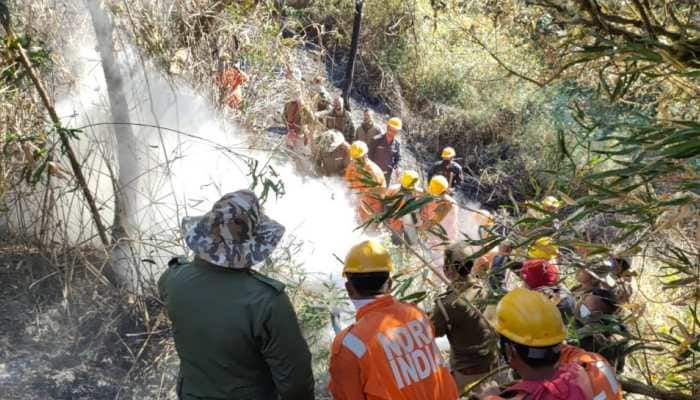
(65, 141)
(350, 69)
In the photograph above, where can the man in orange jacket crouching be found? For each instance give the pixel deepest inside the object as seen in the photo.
(390, 351)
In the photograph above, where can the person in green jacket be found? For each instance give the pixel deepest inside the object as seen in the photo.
(235, 330)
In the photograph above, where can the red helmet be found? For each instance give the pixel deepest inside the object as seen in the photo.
(538, 273)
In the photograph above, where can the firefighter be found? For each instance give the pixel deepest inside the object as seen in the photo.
(442, 211)
(531, 339)
(366, 181)
(385, 149)
(448, 168)
(397, 197)
(390, 350)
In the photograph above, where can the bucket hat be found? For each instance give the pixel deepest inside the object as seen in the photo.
(235, 233)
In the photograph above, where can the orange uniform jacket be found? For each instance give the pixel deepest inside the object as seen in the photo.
(444, 212)
(357, 174)
(397, 224)
(389, 353)
(600, 380)
(603, 380)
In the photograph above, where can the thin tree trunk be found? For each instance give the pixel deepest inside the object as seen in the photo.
(62, 134)
(354, 44)
(127, 150)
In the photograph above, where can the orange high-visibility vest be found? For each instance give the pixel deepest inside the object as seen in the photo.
(443, 212)
(359, 171)
(368, 197)
(389, 353)
(411, 219)
(603, 379)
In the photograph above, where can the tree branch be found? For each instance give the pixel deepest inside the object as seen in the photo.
(645, 18)
(65, 141)
(503, 65)
(631, 386)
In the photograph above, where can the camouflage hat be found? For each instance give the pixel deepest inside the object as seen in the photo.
(235, 233)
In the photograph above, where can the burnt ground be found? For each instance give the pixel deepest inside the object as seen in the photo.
(63, 335)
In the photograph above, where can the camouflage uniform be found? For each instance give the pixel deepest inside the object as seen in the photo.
(235, 330)
(606, 335)
(340, 121)
(330, 153)
(366, 132)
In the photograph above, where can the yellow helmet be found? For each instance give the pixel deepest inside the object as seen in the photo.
(368, 256)
(551, 202)
(358, 149)
(409, 179)
(543, 248)
(394, 123)
(438, 185)
(448, 153)
(529, 318)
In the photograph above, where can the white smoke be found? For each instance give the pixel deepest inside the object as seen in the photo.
(202, 166)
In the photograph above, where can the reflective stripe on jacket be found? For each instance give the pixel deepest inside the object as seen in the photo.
(389, 353)
(602, 376)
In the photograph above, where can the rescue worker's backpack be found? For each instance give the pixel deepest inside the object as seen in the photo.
(603, 379)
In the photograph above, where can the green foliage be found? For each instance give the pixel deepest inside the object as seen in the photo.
(11, 70)
(613, 131)
(265, 180)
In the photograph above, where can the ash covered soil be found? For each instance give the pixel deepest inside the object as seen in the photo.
(64, 336)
